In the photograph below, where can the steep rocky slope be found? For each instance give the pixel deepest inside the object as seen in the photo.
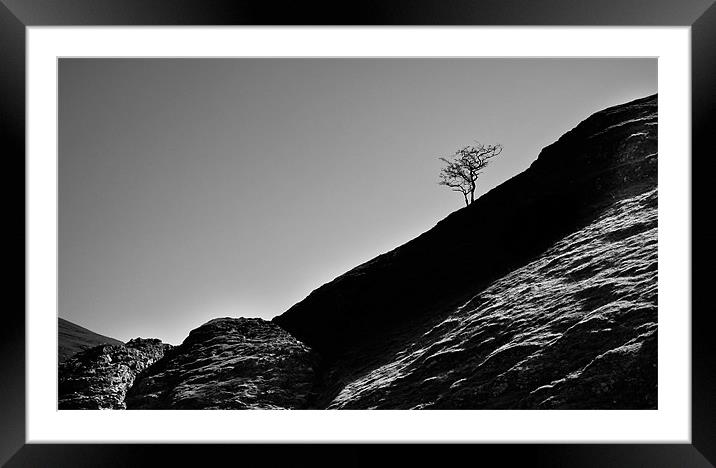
(608, 156)
(574, 329)
(99, 377)
(72, 339)
(229, 364)
(424, 325)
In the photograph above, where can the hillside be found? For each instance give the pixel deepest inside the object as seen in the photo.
(542, 294)
(574, 329)
(72, 339)
(607, 157)
(469, 294)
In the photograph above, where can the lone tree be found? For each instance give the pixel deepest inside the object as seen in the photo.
(464, 167)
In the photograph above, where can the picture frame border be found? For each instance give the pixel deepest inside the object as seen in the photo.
(17, 15)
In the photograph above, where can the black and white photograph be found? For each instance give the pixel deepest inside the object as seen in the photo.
(357, 233)
(413, 231)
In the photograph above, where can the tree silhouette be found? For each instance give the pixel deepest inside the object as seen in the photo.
(464, 167)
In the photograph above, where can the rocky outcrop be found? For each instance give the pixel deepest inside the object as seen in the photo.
(99, 377)
(230, 364)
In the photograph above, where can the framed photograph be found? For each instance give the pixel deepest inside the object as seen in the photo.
(412, 223)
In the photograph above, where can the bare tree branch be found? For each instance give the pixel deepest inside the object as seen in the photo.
(463, 168)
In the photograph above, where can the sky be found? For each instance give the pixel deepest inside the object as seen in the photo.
(191, 189)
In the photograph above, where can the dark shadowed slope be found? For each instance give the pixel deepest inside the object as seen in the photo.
(72, 339)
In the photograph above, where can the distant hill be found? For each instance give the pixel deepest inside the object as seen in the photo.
(73, 339)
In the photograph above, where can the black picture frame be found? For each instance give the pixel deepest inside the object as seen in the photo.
(17, 15)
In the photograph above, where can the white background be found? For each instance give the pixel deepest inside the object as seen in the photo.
(670, 423)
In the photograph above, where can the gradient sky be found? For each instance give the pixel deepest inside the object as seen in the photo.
(191, 189)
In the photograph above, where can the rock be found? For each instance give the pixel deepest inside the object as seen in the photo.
(624, 377)
(230, 364)
(98, 378)
(574, 329)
